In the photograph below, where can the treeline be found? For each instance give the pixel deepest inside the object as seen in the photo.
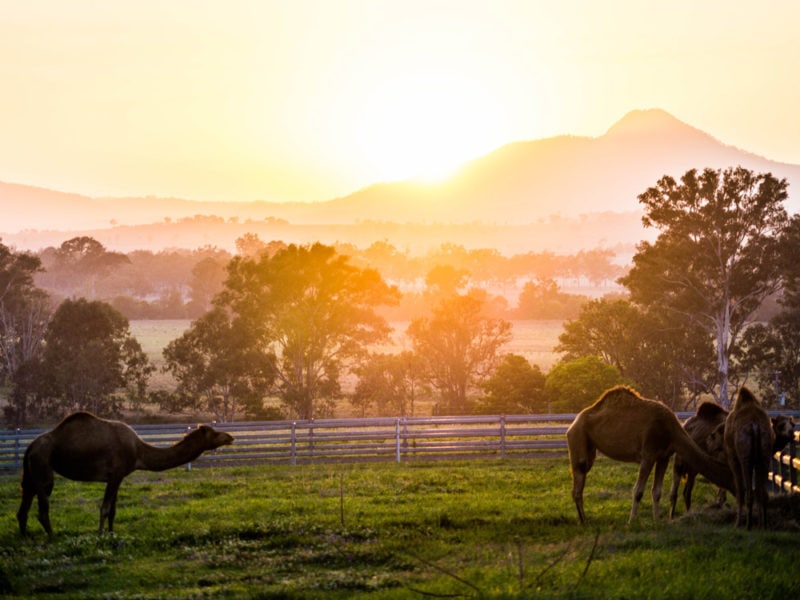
(280, 329)
(180, 284)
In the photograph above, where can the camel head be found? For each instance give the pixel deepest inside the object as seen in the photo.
(208, 438)
(783, 426)
(715, 443)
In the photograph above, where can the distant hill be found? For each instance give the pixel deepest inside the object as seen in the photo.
(520, 183)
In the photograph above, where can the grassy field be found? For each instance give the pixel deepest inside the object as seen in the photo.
(482, 529)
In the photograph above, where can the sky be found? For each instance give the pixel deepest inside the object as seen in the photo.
(308, 100)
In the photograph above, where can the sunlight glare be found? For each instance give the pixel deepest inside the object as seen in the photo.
(425, 125)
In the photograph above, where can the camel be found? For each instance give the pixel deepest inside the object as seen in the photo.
(749, 438)
(707, 429)
(783, 427)
(626, 427)
(84, 447)
(702, 428)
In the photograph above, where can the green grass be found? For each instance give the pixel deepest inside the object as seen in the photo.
(481, 529)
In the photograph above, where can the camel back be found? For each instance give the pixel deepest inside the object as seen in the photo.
(710, 411)
(623, 397)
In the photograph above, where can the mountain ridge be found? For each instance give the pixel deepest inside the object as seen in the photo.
(520, 182)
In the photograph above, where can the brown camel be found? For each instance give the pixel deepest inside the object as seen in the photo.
(783, 427)
(702, 428)
(83, 447)
(749, 438)
(626, 427)
(710, 414)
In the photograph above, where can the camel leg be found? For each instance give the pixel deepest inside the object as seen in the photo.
(109, 508)
(688, 489)
(736, 469)
(673, 492)
(658, 484)
(24, 508)
(638, 490)
(44, 507)
(582, 455)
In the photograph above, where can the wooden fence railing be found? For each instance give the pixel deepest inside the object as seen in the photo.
(382, 439)
(785, 465)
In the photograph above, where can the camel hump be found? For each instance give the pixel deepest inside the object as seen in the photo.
(745, 397)
(619, 393)
(77, 417)
(710, 411)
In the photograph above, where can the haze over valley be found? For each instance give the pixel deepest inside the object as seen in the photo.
(560, 194)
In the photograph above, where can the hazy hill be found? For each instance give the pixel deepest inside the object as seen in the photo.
(522, 183)
(525, 181)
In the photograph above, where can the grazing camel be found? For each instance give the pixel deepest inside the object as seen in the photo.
(626, 427)
(711, 440)
(749, 438)
(702, 428)
(83, 447)
(783, 427)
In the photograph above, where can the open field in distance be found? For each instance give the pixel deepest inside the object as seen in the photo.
(532, 339)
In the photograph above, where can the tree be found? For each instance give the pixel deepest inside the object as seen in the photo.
(515, 387)
(572, 386)
(80, 263)
(24, 313)
(544, 300)
(662, 358)
(312, 310)
(89, 355)
(717, 256)
(217, 362)
(458, 346)
(390, 381)
(208, 276)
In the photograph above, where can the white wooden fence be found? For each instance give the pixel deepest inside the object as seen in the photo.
(383, 439)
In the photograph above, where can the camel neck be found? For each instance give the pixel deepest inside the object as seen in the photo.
(152, 458)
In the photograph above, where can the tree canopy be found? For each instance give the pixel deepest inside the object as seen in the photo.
(458, 346)
(313, 311)
(89, 355)
(717, 256)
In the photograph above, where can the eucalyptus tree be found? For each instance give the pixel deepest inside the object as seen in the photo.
(25, 311)
(459, 347)
(89, 357)
(717, 256)
(218, 367)
(311, 310)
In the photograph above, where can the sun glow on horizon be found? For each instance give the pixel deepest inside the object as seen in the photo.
(424, 125)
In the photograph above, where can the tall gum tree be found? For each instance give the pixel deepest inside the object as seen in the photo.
(312, 310)
(717, 256)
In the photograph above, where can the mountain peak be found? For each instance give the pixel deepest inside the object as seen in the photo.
(652, 121)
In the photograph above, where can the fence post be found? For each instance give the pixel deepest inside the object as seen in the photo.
(17, 435)
(792, 470)
(294, 443)
(502, 436)
(311, 440)
(397, 438)
(189, 464)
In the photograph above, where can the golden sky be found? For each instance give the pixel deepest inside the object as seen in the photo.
(313, 99)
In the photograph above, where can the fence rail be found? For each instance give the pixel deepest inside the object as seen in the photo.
(383, 439)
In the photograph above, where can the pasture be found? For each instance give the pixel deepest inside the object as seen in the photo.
(479, 529)
(532, 339)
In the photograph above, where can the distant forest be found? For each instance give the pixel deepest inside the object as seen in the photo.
(181, 283)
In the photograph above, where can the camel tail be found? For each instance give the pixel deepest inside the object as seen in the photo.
(716, 471)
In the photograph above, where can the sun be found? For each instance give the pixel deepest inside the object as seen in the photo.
(424, 125)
